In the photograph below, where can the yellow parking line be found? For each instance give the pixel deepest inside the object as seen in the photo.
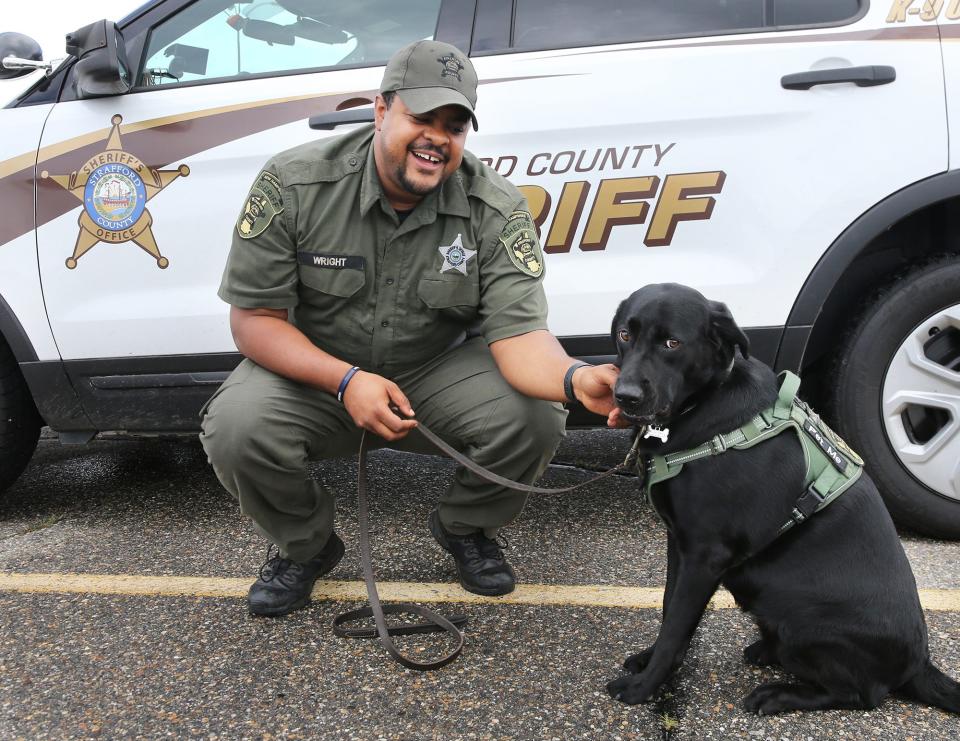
(592, 595)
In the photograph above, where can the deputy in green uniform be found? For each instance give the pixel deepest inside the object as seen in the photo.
(359, 266)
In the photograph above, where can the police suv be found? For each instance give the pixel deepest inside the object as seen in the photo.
(796, 159)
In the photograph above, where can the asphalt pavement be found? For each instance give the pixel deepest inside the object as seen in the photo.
(151, 638)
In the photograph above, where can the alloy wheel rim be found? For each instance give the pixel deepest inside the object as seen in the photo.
(920, 401)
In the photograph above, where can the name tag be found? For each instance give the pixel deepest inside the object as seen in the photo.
(836, 458)
(332, 262)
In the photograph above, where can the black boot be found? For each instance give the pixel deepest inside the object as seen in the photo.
(285, 585)
(480, 562)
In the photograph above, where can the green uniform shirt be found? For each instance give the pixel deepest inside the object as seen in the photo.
(317, 236)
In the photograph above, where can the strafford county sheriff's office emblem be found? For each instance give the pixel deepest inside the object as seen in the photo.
(519, 238)
(263, 203)
(114, 187)
(451, 66)
(455, 256)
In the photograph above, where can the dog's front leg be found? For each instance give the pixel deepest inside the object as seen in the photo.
(637, 662)
(695, 585)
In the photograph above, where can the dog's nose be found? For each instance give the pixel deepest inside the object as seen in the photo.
(629, 398)
(630, 395)
(625, 401)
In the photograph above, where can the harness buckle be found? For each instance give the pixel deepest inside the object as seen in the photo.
(806, 505)
(717, 445)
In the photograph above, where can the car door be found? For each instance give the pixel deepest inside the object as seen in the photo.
(137, 193)
(720, 143)
(22, 321)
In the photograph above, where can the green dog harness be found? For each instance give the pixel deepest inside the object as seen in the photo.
(831, 465)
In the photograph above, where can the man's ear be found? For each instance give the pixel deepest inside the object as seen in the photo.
(726, 329)
(614, 328)
(379, 111)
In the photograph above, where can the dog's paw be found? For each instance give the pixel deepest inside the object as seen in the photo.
(767, 699)
(759, 654)
(631, 690)
(638, 662)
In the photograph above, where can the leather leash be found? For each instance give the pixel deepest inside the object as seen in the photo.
(432, 621)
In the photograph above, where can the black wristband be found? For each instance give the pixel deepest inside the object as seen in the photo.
(568, 380)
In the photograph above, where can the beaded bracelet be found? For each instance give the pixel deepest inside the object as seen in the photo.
(568, 380)
(343, 384)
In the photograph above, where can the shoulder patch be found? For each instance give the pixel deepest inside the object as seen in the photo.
(263, 203)
(519, 239)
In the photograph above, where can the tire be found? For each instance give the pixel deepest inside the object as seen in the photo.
(19, 421)
(896, 397)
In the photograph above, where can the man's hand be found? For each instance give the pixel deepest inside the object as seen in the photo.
(593, 387)
(368, 398)
(615, 419)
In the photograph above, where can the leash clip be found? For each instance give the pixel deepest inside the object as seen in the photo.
(631, 460)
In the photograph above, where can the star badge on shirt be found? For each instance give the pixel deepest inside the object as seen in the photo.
(455, 256)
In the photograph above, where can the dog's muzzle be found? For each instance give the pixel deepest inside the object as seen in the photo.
(639, 405)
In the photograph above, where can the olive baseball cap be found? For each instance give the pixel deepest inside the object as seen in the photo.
(430, 74)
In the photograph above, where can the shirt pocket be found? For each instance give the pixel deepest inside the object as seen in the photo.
(453, 299)
(342, 282)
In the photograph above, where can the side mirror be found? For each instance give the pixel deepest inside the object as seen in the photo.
(25, 53)
(102, 67)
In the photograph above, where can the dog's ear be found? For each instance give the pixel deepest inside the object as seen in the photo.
(726, 329)
(614, 328)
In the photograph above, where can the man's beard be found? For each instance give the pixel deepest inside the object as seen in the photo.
(411, 187)
(407, 184)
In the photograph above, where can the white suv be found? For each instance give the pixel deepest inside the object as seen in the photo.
(789, 157)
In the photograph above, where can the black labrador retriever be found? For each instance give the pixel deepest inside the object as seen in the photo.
(834, 597)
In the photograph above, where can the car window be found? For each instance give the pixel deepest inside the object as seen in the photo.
(214, 39)
(540, 24)
(811, 12)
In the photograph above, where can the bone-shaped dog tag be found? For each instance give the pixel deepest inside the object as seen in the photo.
(661, 433)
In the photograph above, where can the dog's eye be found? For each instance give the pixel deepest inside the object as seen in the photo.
(624, 335)
(672, 344)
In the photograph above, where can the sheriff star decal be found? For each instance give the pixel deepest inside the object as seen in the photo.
(114, 187)
(455, 256)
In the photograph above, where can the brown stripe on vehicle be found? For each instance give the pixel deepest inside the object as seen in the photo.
(16, 194)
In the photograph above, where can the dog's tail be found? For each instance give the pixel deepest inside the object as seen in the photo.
(932, 687)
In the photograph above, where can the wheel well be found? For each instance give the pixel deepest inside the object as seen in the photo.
(924, 235)
(9, 365)
(12, 334)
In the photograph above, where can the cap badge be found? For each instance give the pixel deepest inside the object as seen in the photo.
(451, 66)
(455, 256)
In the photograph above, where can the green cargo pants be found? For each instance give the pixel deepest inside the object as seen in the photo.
(261, 429)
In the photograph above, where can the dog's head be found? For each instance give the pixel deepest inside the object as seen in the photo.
(671, 343)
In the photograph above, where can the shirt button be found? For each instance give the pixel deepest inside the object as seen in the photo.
(389, 281)
(384, 323)
(353, 161)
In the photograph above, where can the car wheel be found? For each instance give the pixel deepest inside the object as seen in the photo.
(897, 397)
(19, 421)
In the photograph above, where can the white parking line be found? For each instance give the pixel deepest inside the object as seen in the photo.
(593, 595)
